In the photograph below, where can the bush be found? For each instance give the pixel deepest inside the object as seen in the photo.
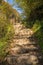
(38, 32)
(6, 35)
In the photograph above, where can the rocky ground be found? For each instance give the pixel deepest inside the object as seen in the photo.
(24, 50)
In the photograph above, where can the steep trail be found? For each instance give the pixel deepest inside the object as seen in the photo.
(24, 50)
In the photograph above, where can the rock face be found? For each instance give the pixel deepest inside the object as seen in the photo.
(24, 50)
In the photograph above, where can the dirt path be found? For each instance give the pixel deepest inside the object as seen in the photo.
(24, 50)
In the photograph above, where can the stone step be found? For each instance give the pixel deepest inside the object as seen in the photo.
(30, 53)
(22, 41)
(18, 27)
(31, 47)
(18, 49)
(23, 32)
(27, 46)
(24, 59)
(21, 36)
(24, 45)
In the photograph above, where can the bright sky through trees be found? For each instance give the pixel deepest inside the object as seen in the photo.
(15, 7)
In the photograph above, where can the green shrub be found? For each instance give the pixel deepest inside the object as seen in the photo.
(38, 32)
(6, 35)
